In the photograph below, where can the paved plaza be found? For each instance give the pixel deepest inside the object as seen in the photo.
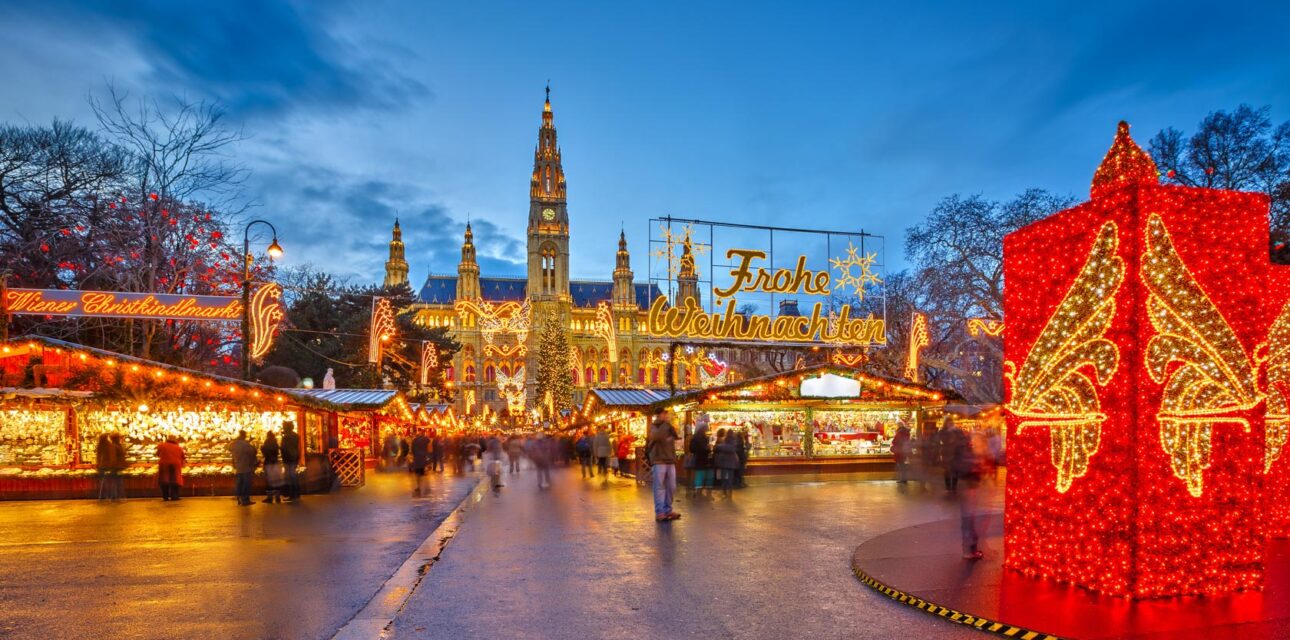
(586, 559)
(206, 568)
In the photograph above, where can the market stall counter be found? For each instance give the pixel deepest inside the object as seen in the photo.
(818, 423)
(58, 400)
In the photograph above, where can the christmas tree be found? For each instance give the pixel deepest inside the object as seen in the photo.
(553, 367)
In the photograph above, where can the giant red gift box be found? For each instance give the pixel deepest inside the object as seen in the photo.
(1136, 341)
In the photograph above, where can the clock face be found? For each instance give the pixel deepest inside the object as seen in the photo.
(548, 214)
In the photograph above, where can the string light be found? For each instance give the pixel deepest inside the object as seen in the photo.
(919, 338)
(1164, 507)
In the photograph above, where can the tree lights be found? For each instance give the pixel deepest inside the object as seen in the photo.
(1138, 349)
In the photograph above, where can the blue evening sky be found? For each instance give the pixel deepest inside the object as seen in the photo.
(830, 114)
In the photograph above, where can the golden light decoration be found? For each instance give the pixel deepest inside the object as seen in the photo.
(848, 278)
(919, 338)
(381, 328)
(511, 389)
(206, 434)
(978, 327)
(848, 359)
(499, 320)
(33, 437)
(668, 253)
(429, 360)
(1053, 388)
(1277, 427)
(1216, 380)
(604, 327)
(265, 312)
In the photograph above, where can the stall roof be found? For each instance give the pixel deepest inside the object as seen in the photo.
(19, 392)
(627, 398)
(812, 371)
(72, 347)
(352, 399)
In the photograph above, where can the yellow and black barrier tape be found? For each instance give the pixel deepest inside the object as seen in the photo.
(958, 617)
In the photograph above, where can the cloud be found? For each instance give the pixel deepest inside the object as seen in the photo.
(342, 224)
(257, 58)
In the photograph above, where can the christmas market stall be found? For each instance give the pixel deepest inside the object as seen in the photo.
(363, 418)
(57, 398)
(825, 422)
(622, 411)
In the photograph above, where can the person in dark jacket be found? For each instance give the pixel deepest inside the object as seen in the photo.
(103, 464)
(744, 446)
(244, 464)
(966, 464)
(436, 453)
(726, 459)
(901, 447)
(290, 448)
(119, 465)
(420, 460)
(945, 442)
(701, 453)
(273, 474)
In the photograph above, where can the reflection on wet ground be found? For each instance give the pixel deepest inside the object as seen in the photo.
(206, 568)
(586, 559)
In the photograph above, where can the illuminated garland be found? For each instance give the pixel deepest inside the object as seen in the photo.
(500, 320)
(1277, 427)
(919, 338)
(984, 327)
(511, 389)
(429, 361)
(667, 253)
(845, 359)
(604, 327)
(381, 329)
(265, 312)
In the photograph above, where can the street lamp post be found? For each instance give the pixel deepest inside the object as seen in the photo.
(274, 251)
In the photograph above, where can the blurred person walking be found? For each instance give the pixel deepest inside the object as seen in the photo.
(420, 460)
(744, 446)
(701, 455)
(542, 452)
(273, 474)
(726, 459)
(436, 453)
(170, 467)
(103, 463)
(966, 463)
(492, 460)
(601, 449)
(901, 446)
(290, 448)
(119, 465)
(244, 464)
(514, 450)
(583, 449)
(660, 453)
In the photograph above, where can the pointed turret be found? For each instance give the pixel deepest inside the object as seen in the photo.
(1125, 163)
(468, 269)
(396, 267)
(548, 232)
(624, 294)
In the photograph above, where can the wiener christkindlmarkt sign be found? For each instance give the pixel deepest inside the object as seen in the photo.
(1148, 369)
(106, 304)
(829, 314)
(265, 308)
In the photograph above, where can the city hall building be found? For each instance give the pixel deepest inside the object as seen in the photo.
(500, 328)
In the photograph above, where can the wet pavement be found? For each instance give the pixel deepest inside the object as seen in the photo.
(206, 568)
(586, 559)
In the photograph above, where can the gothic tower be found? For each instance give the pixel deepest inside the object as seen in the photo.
(624, 294)
(548, 243)
(468, 269)
(396, 268)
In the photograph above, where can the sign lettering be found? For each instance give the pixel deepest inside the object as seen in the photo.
(104, 304)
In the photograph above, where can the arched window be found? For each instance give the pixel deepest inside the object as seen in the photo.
(506, 370)
(470, 373)
(689, 376)
(449, 374)
(490, 374)
(653, 377)
(640, 375)
(577, 377)
(591, 375)
(604, 374)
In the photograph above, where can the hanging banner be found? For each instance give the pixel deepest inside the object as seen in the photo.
(107, 304)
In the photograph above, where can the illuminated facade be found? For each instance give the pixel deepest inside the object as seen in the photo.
(486, 314)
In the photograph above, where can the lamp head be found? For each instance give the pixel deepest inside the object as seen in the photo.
(275, 249)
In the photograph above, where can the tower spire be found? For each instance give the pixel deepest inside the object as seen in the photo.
(396, 267)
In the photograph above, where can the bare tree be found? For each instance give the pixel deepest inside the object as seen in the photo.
(957, 253)
(179, 154)
(1237, 150)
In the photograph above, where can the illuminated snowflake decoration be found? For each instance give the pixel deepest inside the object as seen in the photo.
(847, 276)
(670, 252)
